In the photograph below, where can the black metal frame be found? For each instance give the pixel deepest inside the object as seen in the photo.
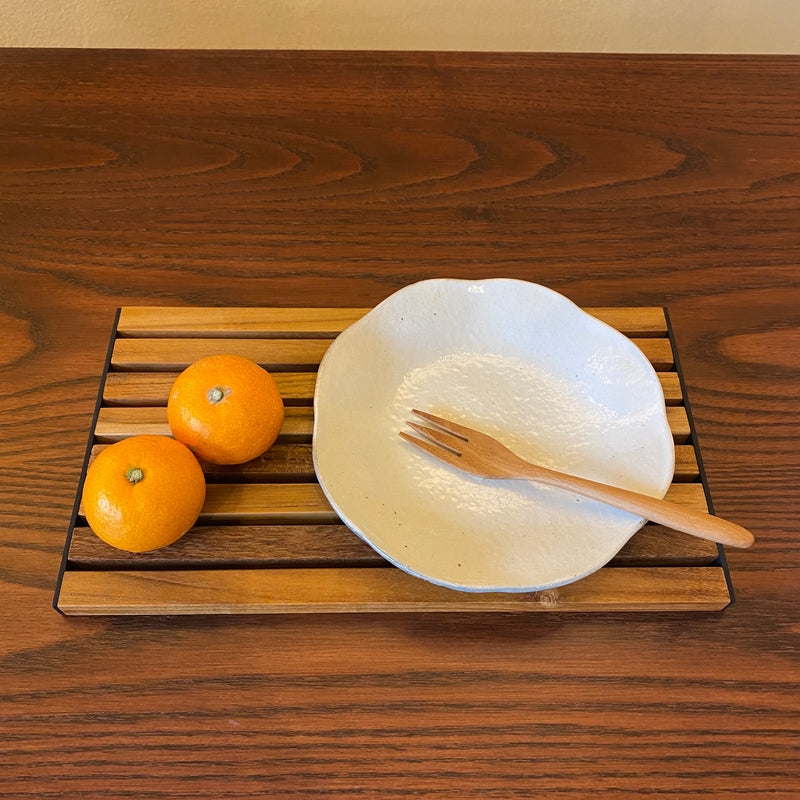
(721, 560)
(87, 455)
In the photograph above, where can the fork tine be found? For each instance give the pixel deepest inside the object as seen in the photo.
(448, 456)
(458, 430)
(443, 438)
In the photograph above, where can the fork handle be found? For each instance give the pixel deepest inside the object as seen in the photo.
(695, 523)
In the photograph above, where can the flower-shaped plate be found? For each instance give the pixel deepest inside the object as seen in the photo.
(522, 363)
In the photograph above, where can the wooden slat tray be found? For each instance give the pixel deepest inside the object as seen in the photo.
(267, 540)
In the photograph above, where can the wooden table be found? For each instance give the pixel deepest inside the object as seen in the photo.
(333, 179)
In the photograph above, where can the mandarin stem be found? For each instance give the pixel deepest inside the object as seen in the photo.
(134, 475)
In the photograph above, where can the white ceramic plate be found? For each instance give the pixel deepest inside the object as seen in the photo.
(517, 361)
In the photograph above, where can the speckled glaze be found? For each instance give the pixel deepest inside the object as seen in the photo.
(521, 363)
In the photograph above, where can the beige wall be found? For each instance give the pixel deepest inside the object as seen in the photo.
(682, 26)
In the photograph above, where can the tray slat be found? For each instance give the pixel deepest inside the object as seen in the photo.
(177, 354)
(275, 354)
(306, 502)
(282, 591)
(294, 462)
(153, 388)
(269, 541)
(297, 388)
(175, 321)
(116, 423)
(273, 545)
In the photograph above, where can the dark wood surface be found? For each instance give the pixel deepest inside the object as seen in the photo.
(333, 180)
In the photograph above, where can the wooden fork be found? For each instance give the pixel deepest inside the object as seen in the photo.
(480, 454)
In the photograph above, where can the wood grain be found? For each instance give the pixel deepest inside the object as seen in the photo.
(294, 462)
(306, 502)
(275, 354)
(275, 545)
(317, 323)
(177, 354)
(333, 179)
(289, 591)
(114, 424)
(297, 388)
